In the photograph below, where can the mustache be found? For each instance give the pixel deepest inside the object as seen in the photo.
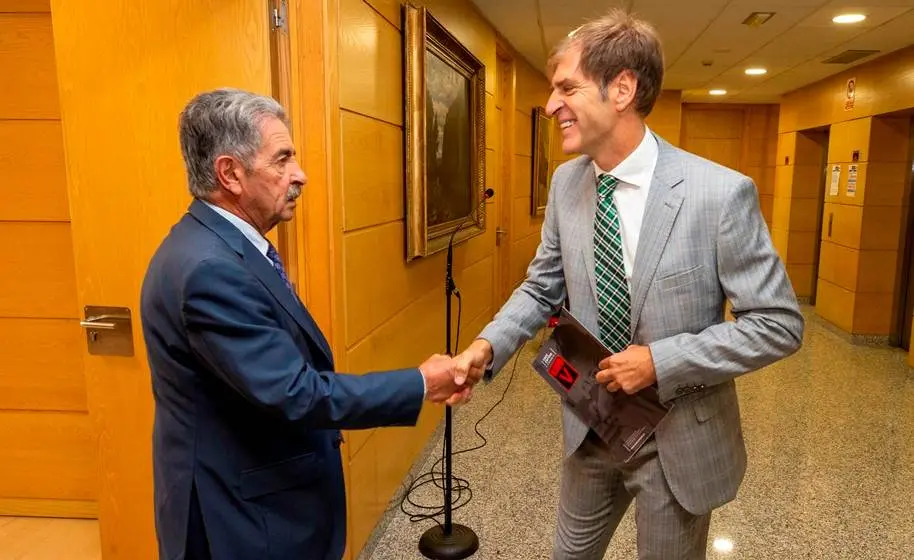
(294, 192)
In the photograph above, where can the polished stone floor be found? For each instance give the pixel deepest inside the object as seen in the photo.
(830, 433)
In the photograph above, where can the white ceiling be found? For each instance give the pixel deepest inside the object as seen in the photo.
(791, 45)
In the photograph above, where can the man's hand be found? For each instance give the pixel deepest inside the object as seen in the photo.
(438, 372)
(630, 370)
(470, 364)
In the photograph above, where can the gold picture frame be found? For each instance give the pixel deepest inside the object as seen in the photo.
(445, 136)
(541, 173)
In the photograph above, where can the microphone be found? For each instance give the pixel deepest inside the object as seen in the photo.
(449, 286)
(451, 541)
(486, 195)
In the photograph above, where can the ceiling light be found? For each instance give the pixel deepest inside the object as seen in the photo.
(849, 18)
(756, 71)
(718, 92)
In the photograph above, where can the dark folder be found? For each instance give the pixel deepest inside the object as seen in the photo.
(569, 362)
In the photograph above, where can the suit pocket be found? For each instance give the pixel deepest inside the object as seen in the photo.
(296, 471)
(679, 279)
(707, 407)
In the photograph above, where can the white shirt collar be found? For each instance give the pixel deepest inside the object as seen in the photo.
(259, 241)
(638, 168)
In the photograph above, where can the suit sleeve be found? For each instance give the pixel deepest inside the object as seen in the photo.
(232, 327)
(531, 304)
(768, 325)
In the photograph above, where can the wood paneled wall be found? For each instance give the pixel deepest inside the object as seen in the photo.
(863, 234)
(47, 447)
(863, 227)
(666, 117)
(393, 312)
(742, 137)
(882, 86)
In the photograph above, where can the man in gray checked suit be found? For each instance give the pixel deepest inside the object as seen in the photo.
(646, 243)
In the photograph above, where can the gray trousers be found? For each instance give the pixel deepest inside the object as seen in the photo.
(595, 494)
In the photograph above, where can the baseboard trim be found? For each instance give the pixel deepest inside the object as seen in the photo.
(36, 507)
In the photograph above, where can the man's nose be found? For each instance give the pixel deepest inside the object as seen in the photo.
(298, 175)
(554, 104)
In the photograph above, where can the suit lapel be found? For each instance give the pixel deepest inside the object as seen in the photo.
(663, 203)
(583, 186)
(264, 272)
(290, 302)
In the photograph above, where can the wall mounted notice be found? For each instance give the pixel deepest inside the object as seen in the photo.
(852, 180)
(835, 179)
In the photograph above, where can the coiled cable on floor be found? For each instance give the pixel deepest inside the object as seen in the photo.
(461, 493)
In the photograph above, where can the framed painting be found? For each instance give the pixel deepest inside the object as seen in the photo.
(445, 136)
(541, 174)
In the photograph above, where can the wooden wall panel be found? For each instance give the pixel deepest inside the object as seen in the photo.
(712, 122)
(41, 366)
(666, 117)
(522, 223)
(54, 455)
(33, 182)
(522, 252)
(23, 6)
(523, 168)
(391, 10)
(372, 171)
(883, 86)
(27, 60)
(523, 133)
(371, 63)
(835, 304)
(42, 253)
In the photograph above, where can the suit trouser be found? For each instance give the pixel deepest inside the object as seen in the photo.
(596, 492)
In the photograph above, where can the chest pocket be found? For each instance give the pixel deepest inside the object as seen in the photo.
(679, 279)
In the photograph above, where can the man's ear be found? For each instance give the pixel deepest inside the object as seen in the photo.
(229, 173)
(627, 87)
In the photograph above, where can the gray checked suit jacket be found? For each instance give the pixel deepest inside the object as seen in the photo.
(703, 241)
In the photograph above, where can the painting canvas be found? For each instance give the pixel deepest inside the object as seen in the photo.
(541, 174)
(445, 136)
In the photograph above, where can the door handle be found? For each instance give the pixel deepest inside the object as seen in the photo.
(499, 233)
(98, 322)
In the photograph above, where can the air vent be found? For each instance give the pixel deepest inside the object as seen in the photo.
(848, 56)
(756, 19)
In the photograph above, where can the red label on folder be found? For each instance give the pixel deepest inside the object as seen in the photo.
(562, 372)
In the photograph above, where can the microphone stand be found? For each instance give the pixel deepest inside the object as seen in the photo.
(450, 541)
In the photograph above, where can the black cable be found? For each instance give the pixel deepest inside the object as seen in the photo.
(435, 474)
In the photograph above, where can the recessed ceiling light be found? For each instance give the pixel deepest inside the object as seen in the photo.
(718, 92)
(756, 71)
(849, 18)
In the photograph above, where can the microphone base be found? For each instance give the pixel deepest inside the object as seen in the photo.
(461, 543)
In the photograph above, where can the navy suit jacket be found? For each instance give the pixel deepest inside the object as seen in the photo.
(247, 406)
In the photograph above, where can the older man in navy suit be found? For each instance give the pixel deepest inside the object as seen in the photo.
(248, 406)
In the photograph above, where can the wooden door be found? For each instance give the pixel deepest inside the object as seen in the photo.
(47, 448)
(125, 71)
(504, 156)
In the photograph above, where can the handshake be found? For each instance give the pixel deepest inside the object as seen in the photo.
(451, 380)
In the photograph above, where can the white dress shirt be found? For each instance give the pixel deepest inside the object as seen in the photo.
(634, 174)
(257, 240)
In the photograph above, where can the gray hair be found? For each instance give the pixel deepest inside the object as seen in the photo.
(222, 122)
